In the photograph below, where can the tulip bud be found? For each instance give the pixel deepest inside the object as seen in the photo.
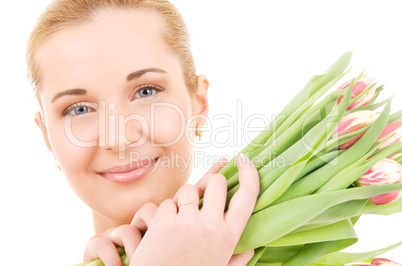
(386, 198)
(392, 133)
(380, 262)
(384, 262)
(353, 122)
(357, 89)
(386, 171)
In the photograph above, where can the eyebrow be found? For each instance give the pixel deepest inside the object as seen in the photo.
(131, 76)
(141, 72)
(69, 92)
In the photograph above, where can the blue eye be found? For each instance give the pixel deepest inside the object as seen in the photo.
(78, 109)
(147, 91)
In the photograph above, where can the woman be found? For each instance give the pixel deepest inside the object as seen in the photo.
(120, 104)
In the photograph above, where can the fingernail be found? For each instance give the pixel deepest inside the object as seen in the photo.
(240, 158)
(222, 161)
(243, 155)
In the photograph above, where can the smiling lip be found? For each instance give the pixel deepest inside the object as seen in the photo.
(128, 173)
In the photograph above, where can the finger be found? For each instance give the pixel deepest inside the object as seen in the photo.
(242, 203)
(103, 249)
(143, 217)
(215, 197)
(128, 237)
(187, 199)
(202, 183)
(241, 259)
(167, 208)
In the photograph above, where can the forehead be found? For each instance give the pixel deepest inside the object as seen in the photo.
(115, 41)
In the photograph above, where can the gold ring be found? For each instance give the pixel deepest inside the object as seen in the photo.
(187, 203)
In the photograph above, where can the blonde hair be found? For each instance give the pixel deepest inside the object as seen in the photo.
(64, 13)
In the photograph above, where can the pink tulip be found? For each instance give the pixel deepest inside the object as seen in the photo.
(392, 133)
(386, 198)
(379, 262)
(353, 122)
(386, 171)
(384, 262)
(357, 89)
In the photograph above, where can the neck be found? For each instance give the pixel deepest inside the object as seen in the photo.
(102, 224)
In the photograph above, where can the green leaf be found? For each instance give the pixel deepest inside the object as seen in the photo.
(279, 187)
(395, 117)
(311, 252)
(311, 183)
(264, 182)
(343, 257)
(98, 262)
(311, 143)
(315, 88)
(385, 209)
(336, 213)
(288, 216)
(335, 142)
(290, 146)
(351, 173)
(279, 254)
(319, 161)
(376, 94)
(318, 82)
(371, 107)
(358, 97)
(257, 255)
(288, 134)
(336, 231)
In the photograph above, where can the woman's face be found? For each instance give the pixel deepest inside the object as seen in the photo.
(117, 112)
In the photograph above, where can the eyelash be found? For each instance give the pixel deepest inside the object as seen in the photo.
(77, 104)
(151, 86)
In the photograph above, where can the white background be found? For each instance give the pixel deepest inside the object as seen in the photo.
(261, 52)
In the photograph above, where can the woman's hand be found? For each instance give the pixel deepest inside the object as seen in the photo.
(103, 246)
(179, 233)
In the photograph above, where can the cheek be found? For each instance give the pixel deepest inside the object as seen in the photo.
(74, 151)
(169, 125)
(74, 142)
(82, 132)
(170, 131)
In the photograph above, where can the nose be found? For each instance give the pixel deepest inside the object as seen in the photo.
(120, 128)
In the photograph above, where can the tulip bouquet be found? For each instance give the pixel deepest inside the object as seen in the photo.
(327, 159)
(322, 165)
